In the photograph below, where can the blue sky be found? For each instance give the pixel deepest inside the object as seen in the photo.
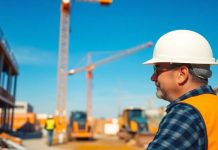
(32, 30)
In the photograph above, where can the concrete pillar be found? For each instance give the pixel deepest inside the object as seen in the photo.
(4, 118)
(8, 118)
(12, 118)
(1, 120)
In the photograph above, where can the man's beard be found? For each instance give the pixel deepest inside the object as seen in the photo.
(161, 93)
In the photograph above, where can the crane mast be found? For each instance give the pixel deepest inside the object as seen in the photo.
(63, 59)
(89, 88)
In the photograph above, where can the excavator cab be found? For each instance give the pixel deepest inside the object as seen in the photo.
(80, 126)
(133, 121)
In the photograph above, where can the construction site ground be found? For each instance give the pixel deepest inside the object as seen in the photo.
(101, 142)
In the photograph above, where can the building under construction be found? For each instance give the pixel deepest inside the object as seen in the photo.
(8, 83)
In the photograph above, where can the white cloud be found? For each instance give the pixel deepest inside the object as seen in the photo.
(34, 56)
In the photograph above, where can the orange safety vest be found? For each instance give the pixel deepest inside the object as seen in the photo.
(207, 105)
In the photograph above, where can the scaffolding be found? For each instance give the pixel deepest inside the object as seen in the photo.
(8, 82)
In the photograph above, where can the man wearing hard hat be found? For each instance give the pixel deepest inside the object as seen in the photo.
(50, 126)
(181, 61)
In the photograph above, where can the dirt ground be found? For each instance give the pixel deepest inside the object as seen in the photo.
(100, 143)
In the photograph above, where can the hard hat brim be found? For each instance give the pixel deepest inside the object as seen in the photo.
(149, 62)
(155, 61)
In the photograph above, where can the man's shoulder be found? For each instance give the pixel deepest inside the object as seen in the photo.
(182, 107)
(179, 108)
(183, 112)
(183, 124)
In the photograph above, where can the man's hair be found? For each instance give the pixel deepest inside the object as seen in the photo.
(200, 72)
(197, 79)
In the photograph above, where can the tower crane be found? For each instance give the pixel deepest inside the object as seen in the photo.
(91, 66)
(62, 67)
(60, 114)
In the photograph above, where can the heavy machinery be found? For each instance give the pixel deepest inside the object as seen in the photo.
(79, 126)
(133, 121)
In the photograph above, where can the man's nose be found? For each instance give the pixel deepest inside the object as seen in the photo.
(154, 77)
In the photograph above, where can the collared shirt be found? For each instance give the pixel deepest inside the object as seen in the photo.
(182, 128)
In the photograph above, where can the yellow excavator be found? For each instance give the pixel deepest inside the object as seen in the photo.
(79, 126)
(133, 121)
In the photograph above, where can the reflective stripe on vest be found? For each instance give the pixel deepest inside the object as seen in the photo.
(207, 105)
(50, 123)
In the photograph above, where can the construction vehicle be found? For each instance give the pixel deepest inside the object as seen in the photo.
(79, 126)
(25, 122)
(133, 121)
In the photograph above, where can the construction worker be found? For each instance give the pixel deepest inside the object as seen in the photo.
(181, 61)
(50, 126)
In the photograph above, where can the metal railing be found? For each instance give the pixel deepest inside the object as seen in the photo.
(7, 49)
(7, 95)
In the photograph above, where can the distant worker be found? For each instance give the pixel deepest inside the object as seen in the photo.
(181, 61)
(50, 126)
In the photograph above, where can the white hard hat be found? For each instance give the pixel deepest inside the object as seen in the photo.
(182, 46)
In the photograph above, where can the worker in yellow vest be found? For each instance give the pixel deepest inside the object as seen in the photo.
(50, 126)
(181, 61)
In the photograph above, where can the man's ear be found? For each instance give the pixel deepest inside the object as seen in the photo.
(183, 75)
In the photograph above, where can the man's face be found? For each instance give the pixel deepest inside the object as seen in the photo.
(164, 78)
